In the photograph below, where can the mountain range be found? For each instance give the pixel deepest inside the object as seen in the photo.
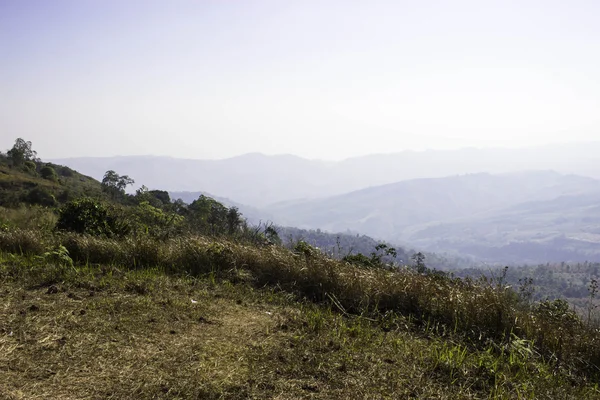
(259, 180)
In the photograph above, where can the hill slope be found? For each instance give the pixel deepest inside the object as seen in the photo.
(18, 185)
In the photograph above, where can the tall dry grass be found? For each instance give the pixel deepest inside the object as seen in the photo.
(480, 311)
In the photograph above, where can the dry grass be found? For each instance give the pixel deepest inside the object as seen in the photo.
(477, 312)
(104, 332)
(267, 323)
(135, 337)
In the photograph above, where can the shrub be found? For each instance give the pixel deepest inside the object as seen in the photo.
(30, 167)
(40, 196)
(90, 217)
(66, 172)
(47, 172)
(153, 221)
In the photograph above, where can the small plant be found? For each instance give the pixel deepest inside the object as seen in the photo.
(526, 289)
(60, 255)
(305, 249)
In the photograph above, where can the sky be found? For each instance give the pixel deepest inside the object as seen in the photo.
(326, 79)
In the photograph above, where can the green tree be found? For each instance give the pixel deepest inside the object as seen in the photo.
(272, 235)
(156, 222)
(21, 151)
(207, 215)
(234, 220)
(115, 184)
(157, 198)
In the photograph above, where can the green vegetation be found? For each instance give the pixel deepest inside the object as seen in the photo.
(135, 296)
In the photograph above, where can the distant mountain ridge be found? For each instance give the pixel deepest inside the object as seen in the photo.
(259, 180)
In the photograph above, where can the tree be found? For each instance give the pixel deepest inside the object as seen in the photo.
(209, 216)
(115, 184)
(21, 152)
(156, 198)
(272, 235)
(419, 260)
(234, 219)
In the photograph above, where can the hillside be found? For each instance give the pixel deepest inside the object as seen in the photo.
(17, 185)
(259, 180)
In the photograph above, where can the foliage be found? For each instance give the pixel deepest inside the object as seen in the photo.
(115, 184)
(22, 152)
(30, 167)
(40, 196)
(419, 262)
(47, 172)
(208, 216)
(272, 235)
(377, 257)
(155, 222)
(156, 198)
(65, 171)
(90, 217)
(59, 255)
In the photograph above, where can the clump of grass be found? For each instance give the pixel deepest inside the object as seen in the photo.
(23, 242)
(28, 218)
(89, 249)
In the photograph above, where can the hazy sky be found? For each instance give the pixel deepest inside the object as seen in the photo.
(320, 79)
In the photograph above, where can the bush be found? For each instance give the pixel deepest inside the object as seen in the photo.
(66, 172)
(40, 196)
(47, 172)
(30, 167)
(90, 217)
